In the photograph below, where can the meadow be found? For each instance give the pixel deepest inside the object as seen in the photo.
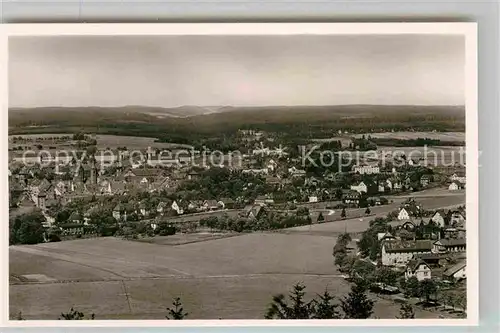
(229, 278)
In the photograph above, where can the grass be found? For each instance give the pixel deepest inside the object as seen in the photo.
(230, 278)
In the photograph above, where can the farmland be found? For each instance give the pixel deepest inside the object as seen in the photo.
(103, 141)
(119, 279)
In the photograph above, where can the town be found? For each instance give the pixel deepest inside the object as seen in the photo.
(404, 218)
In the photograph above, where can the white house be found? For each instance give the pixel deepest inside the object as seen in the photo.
(177, 208)
(418, 269)
(361, 188)
(403, 214)
(438, 218)
(313, 199)
(455, 186)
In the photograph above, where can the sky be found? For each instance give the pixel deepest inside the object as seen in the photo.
(171, 71)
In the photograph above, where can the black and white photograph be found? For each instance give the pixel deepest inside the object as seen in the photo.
(257, 172)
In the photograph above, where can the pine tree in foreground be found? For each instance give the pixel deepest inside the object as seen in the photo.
(75, 315)
(325, 309)
(177, 312)
(357, 305)
(298, 309)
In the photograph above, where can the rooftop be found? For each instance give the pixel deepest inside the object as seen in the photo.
(408, 246)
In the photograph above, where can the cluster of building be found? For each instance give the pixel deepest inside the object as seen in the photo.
(50, 185)
(438, 253)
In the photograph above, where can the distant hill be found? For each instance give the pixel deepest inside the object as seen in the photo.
(213, 119)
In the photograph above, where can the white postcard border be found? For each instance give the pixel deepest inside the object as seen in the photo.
(469, 30)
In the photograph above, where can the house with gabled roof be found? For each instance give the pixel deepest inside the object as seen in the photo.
(399, 252)
(177, 207)
(211, 205)
(122, 210)
(455, 186)
(361, 187)
(457, 271)
(254, 211)
(164, 206)
(403, 214)
(438, 218)
(226, 203)
(419, 269)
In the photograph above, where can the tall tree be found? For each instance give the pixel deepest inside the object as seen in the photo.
(297, 309)
(411, 287)
(386, 276)
(321, 218)
(344, 238)
(357, 305)
(427, 288)
(177, 312)
(325, 309)
(27, 229)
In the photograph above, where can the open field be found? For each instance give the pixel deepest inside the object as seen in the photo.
(357, 223)
(443, 136)
(227, 278)
(105, 141)
(429, 199)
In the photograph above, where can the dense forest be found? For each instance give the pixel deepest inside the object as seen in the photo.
(294, 121)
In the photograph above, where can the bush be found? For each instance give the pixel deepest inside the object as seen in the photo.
(167, 231)
(54, 238)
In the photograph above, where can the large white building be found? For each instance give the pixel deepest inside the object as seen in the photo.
(399, 253)
(366, 169)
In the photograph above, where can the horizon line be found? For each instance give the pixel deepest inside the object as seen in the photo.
(232, 105)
